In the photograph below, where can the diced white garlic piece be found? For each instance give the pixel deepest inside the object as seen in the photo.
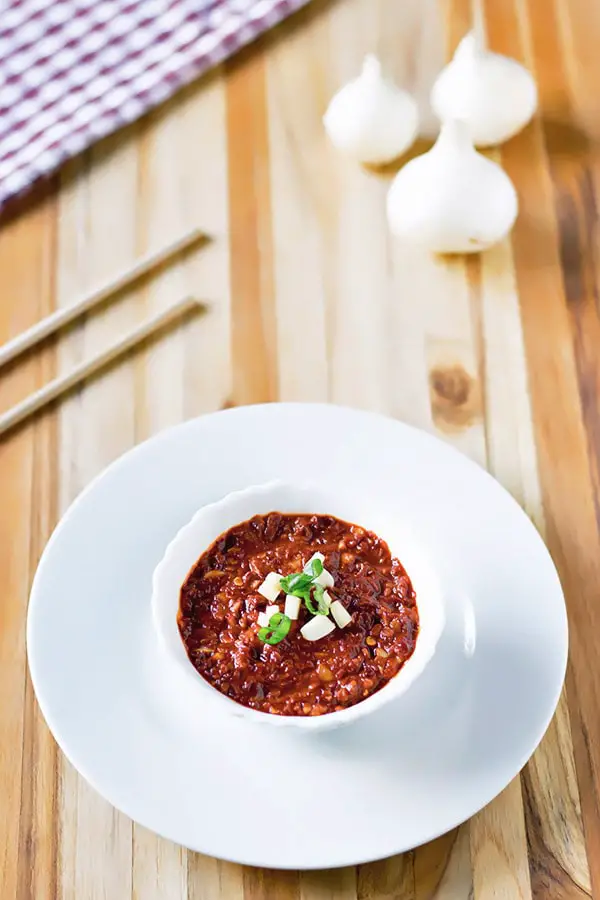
(265, 617)
(292, 606)
(325, 579)
(340, 614)
(308, 566)
(270, 589)
(317, 628)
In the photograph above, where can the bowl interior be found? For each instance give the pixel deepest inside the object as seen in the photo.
(367, 511)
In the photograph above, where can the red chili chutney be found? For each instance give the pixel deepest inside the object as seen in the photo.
(219, 607)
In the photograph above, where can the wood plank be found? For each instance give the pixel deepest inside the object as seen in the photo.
(213, 879)
(568, 496)
(27, 465)
(572, 125)
(387, 879)
(263, 884)
(38, 837)
(159, 868)
(188, 372)
(333, 884)
(558, 862)
(499, 849)
(443, 867)
(253, 328)
(96, 425)
(509, 426)
(302, 177)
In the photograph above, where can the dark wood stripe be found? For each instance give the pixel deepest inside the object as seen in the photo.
(576, 207)
(388, 879)
(28, 488)
(570, 163)
(266, 884)
(549, 880)
(574, 164)
(38, 825)
(253, 324)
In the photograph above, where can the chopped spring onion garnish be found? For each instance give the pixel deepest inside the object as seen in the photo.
(308, 587)
(308, 566)
(305, 586)
(325, 579)
(270, 589)
(277, 629)
(296, 583)
(322, 607)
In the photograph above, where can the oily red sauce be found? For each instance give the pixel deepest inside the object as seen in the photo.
(219, 606)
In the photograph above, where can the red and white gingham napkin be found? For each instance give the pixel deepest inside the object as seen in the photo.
(73, 71)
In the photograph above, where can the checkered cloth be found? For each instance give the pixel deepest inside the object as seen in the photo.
(73, 71)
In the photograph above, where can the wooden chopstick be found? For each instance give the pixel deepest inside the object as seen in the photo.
(63, 383)
(62, 317)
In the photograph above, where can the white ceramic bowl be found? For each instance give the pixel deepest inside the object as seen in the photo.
(369, 512)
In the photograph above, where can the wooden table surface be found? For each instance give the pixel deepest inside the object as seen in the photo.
(309, 299)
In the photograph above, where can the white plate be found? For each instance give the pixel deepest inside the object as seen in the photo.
(272, 797)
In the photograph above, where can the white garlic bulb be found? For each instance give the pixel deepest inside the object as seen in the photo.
(494, 94)
(452, 199)
(370, 118)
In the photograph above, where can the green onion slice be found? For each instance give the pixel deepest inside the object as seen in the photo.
(277, 629)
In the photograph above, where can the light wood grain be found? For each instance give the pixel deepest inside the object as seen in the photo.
(96, 425)
(62, 384)
(496, 355)
(63, 316)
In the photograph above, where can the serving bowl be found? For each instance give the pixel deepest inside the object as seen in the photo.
(367, 511)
